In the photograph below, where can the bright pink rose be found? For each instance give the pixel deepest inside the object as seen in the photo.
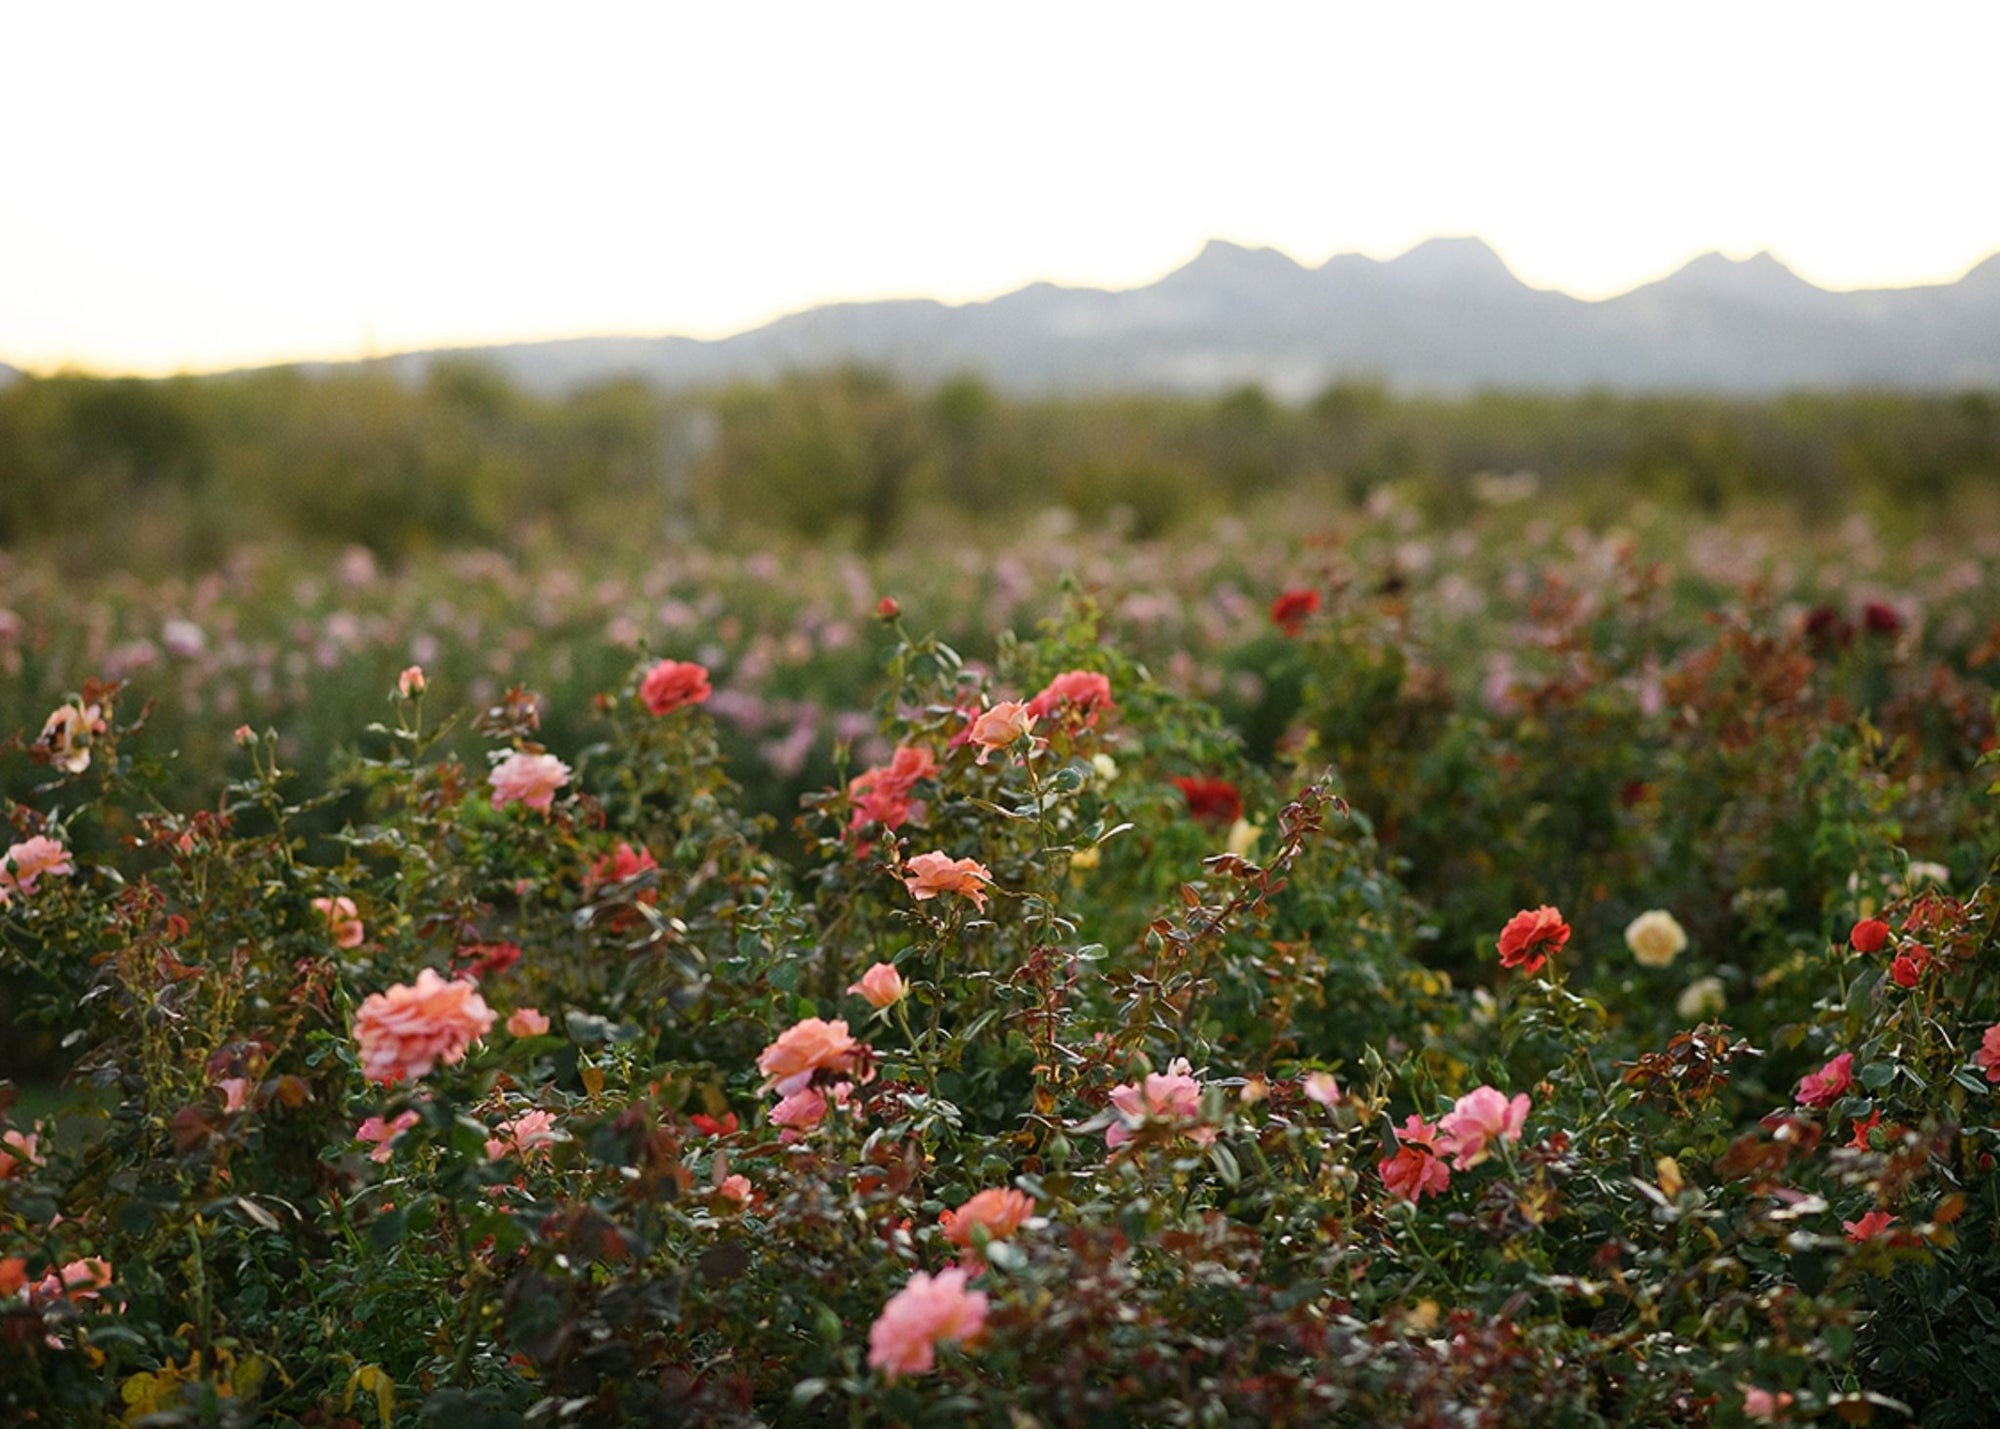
(1173, 1096)
(26, 862)
(999, 727)
(342, 920)
(1078, 694)
(1477, 1118)
(882, 986)
(531, 779)
(927, 1312)
(673, 683)
(406, 1031)
(1829, 1084)
(526, 1022)
(930, 874)
(383, 1134)
(805, 1048)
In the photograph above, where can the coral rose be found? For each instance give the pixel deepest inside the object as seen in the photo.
(408, 1030)
(18, 1150)
(930, 874)
(526, 1022)
(1826, 1086)
(882, 795)
(531, 779)
(382, 1134)
(1531, 936)
(1656, 938)
(999, 727)
(342, 920)
(995, 1213)
(803, 1049)
(530, 1131)
(1988, 1055)
(1873, 1224)
(927, 1312)
(1079, 694)
(1415, 1170)
(673, 683)
(882, 985)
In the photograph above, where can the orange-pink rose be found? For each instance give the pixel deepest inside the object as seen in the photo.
(999, 727)
(530, 1131)
(930, 874)
(408, 1030)
(882, 985)
(342, 920)
(29, 860)
(673, 683)
(527, 1022)
(382, 1134)
(927, 1312)
(18, 1151)
(807, 1047)
(998, 1213)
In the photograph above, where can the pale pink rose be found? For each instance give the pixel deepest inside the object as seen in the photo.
(411, 682)
(342, 919)
(526, 1022)
(1321, 1087)
(735, 1188)
(1170, 1096)
(235, 1093)
(927, 1312)
(999, 727)
(1477, 1118)
(531, 779)
(406, 1031)
(244, 736)
(804, 1048)
(383, 1134)
(26, 862)
(673, 683)
(530, 1131)
(1763, 1404)
(931, 874)
(882, 986)
(18, 1151)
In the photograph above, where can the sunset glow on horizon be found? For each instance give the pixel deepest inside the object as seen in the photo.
(215, 186)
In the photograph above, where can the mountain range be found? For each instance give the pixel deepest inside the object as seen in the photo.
(1448, 316)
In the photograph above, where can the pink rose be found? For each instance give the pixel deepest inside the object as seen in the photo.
(235, 1093)
(383, 1134)
(411, 682)
(735, 1188)
(1077, 693)
(1321, 1087)
(930, 874)
(996, 1213)
(673, 683)
(999, 727)
(1988, 1056)
(1415, 1169)
(1479, 1117)
(530, 1131)
(531, 779)
(18, 1150)
(342, 920)
(406, 1031)
(526, 1022)
(1173, 1096)
(927, 1312)
(882, 985)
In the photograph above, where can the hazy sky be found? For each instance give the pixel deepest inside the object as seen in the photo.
(198, 185)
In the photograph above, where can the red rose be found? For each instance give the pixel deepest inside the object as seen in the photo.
(1530, 936)
(1869, 935)
(1290, 609)
(1214, 801)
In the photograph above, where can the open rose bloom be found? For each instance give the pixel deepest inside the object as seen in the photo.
(804, 1050)
(409, 1029)
(673, 683)
(930, 875)
(1531, 936)
(530, 779)
(66, 738)
(929, 1311)
(1172, 1096)
(1414, 1169)
(992, 1214)
(999, 727)
(26, 863)
(1480, 1118)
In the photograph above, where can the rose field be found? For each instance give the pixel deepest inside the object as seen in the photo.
(1350, 963)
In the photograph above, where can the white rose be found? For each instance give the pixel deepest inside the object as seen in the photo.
(1701, 998)
(1655, 938)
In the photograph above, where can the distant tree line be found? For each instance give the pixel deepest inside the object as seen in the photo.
(159, 474)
